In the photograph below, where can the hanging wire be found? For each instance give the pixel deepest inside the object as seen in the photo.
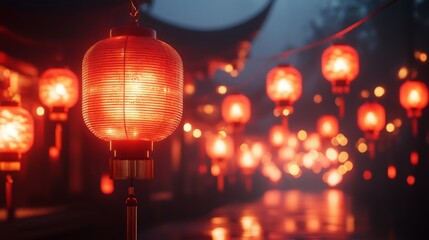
(134, 11)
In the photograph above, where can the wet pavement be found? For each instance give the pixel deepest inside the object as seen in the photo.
(291, 214)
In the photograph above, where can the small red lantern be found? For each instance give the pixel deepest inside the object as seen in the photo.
(248, 163)
(236, 109)
(413, 96)
(327, 126)
(284, 87)
(58, 90)
(16, 136)
(278, 135)
(371, 120)
(220, 148)
(340, 66)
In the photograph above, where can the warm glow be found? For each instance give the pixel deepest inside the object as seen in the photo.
(284, 83)
(327, 126)
(364, 94)
(371, 119)
(293, 169)
(187, 127)
(209, 109)
(287, 153)
(343, 156)
(222, 89)
(247, 162)
(341, 139)
(106, 184)
(16, 129)
(142, 100)
(302, 135)
(189, 88)
(215, 170)
(312, 142)
(258, 150)
(340, 66)
(413, 96)
(236, 109)
(390, 127)
(196, 133)
(348, 165)
(219, 146)
(219, 233)
(367, 175)
(54, 153)
(277, 135)
(317, 98)
(362, 147)
(411, 180)
(403, 73)
(379, 91)
(40, 111)
(58, 87)
(391, 171)
(414, 158)
(331, 154)
(332, 177)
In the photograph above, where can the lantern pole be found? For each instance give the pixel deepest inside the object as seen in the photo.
(131, 204)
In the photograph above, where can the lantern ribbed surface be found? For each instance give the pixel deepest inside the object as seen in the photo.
(58, 87)
(284, 83)
(413, 96)
(236, 109)
(132, 88)
(16, 130)
(340, 62)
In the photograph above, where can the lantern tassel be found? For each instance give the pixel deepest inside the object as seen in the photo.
(220, 183)
(341, 106)
(414, 126)
(285, 123)
(371, 149)
(9, 198)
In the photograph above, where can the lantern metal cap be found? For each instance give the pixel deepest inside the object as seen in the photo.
(124, 169)
(133, 31)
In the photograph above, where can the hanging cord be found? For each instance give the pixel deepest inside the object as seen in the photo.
(134, 11)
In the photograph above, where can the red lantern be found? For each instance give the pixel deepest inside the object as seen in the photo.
(248, 164)
(58, 90)
(284, 87)
(413, 96)
(236, 109)
(327, 126)
(132, 95)
(16, 136)
(220, 148)
(278, 135)
(340, 66)
(371, 120)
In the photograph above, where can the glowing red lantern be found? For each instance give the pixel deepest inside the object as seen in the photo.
(16, 136)
(132, 95)
(248, 164)
(371, 120)
(219, 148)
(58, 90)
(278, 135)
(284, 87)
(327, 126)
(413, 96)
(340, 66)
(236, 109)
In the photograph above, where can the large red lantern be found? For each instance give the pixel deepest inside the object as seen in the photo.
(340, 66)
(132, 96)
(220, 148)
(59, 91)
(284, 87)
(413, 96)
(16, 136)
(371, 119)
(236, 109)
(327, 126)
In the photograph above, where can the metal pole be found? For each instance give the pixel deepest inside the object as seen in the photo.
(9, 198)
(131, 204)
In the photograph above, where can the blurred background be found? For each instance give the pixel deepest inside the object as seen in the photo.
(380, 186)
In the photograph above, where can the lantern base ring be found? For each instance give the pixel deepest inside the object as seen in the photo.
(123, 169)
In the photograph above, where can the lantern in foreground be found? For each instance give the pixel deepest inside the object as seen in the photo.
(284, 87)
(327, 126)
(340, 66)
(413, 96)
(58, 90)
(236, 109)
(132, 96)
(371, 120)
(220, 148)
